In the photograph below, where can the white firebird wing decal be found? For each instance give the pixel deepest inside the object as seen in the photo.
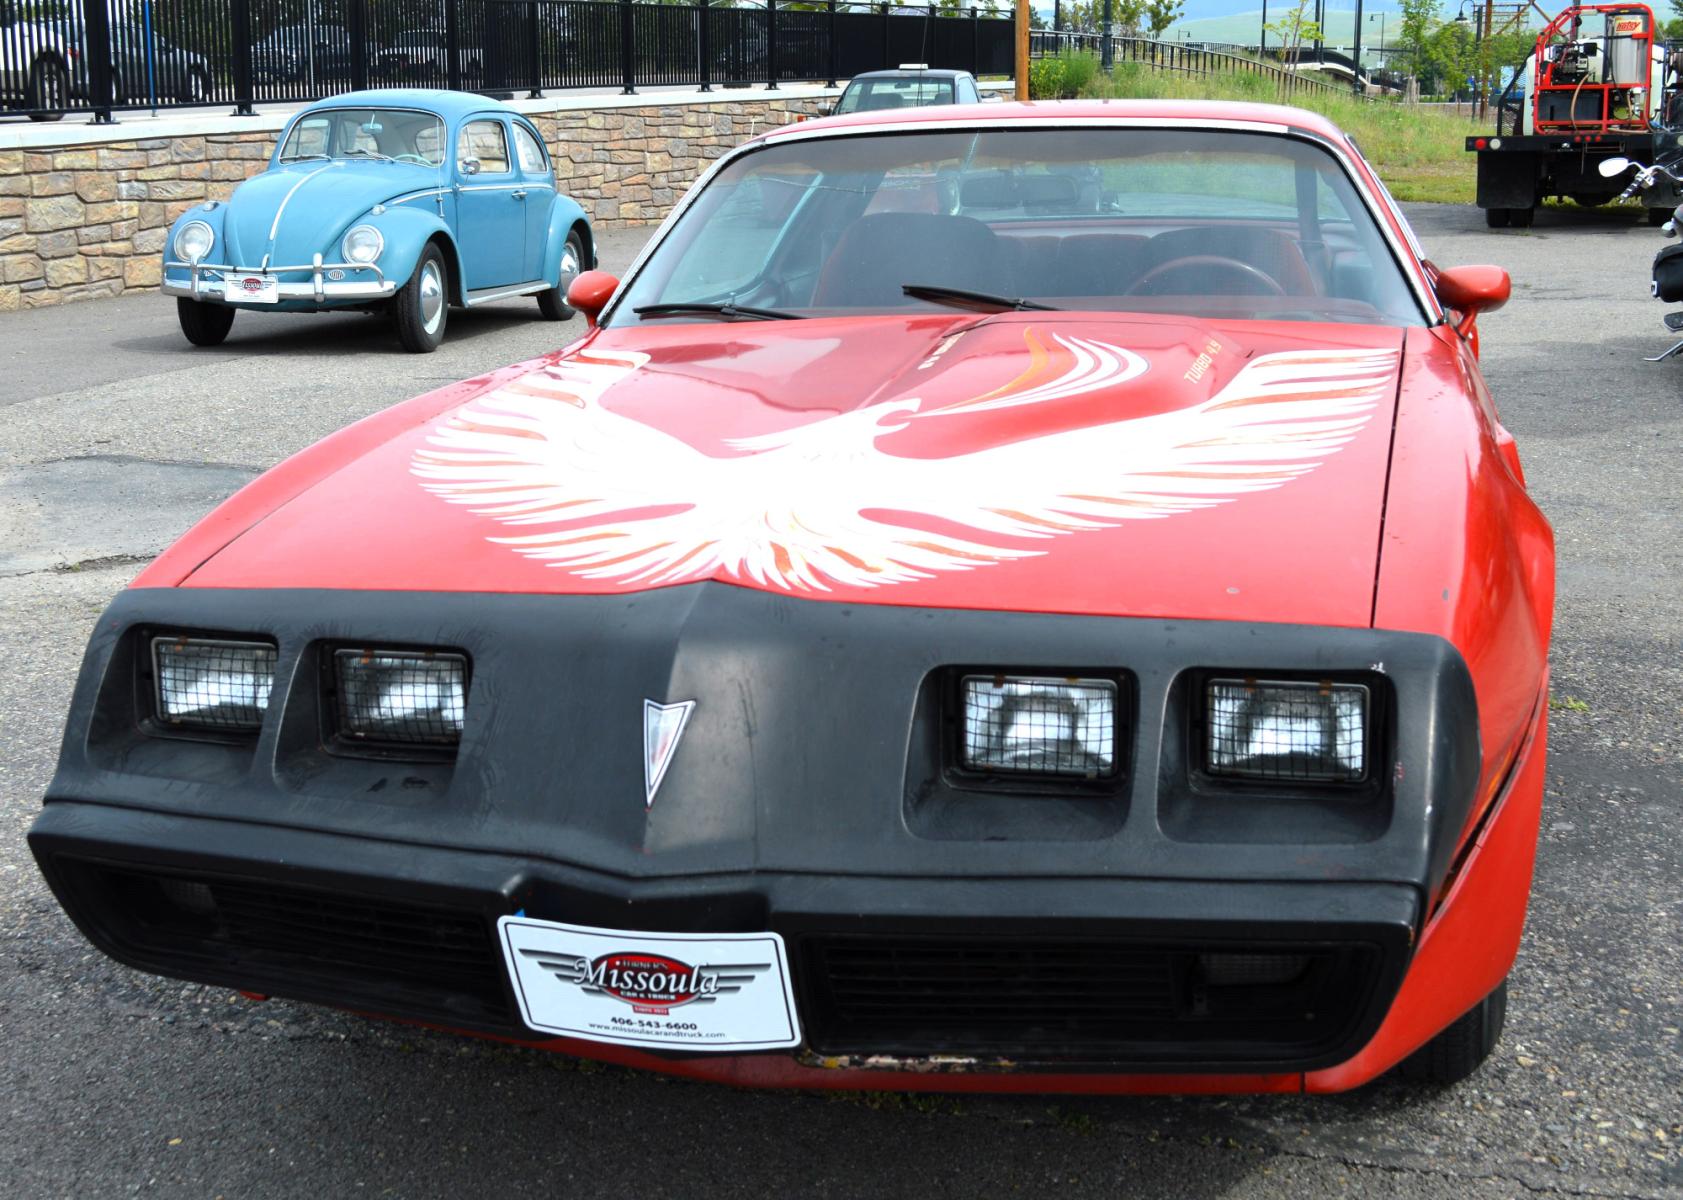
(638, 506)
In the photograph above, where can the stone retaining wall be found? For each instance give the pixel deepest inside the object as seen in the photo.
(78, 222)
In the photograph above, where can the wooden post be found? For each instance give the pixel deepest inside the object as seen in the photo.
(1022, 49)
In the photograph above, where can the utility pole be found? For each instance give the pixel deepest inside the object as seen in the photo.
(1022, 49)
(1107, 53)
(1356, 53)
(1485, 80)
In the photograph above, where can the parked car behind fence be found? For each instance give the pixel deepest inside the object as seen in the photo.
(112, 54)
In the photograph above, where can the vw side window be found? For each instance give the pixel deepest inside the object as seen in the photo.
(533, 161)
(484, 144)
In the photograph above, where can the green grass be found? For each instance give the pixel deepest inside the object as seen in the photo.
(1416, 150)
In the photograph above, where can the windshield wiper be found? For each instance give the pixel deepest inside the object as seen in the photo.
(710, 308)
(979, 301)
(370, 154)
(286, 158)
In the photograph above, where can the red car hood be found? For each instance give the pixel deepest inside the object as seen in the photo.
(1086, 463)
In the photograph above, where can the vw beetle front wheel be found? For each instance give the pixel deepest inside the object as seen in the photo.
(553, 302)
(423, 304)
(204, 324)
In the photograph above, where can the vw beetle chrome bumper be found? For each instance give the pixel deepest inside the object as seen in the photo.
(207, 281)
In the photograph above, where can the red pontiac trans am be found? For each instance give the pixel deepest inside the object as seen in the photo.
(1025, 599)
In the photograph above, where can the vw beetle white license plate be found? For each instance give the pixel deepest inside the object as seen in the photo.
(251, 289)
(713, 991)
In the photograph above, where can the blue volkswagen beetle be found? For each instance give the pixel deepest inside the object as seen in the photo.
(402, 200)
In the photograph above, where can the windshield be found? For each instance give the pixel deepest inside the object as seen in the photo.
(367, 133)
(867, 95)
(1219, 224)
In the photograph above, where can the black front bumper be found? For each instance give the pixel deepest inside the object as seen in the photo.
(922, 917)
(1100, 974)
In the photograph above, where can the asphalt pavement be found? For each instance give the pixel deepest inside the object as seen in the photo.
(114, 435)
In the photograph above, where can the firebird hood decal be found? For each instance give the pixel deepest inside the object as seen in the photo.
(836, 502)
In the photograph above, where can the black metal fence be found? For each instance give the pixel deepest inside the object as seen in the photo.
(104, 55)
(1189, 59)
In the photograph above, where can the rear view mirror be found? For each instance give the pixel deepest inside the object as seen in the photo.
(1471, 291)
(1610, 167)
(590, 293)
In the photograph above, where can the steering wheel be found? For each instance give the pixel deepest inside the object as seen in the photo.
(411, 158)
(1243, 270)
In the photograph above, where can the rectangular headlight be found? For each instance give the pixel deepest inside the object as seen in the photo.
(205, 683)
(410, 696)
(1034, 725)
(1286, 730)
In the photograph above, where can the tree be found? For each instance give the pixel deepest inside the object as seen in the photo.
(1415, 36)
(1293, 29)
(1160, 14)
(1451, 58)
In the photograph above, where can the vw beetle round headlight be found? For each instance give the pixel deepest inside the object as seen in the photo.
(193, 241)
(363, 244)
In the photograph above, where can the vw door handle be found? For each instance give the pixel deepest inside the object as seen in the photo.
(519, 195)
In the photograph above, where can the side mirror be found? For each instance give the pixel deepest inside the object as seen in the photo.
(1610, 167)
(590, 293)
(469, 166)
(1471, 291)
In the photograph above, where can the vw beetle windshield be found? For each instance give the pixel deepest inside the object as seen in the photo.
(366, 133)
(1205, 223)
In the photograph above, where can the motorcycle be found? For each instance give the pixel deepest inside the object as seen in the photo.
(1667, 272)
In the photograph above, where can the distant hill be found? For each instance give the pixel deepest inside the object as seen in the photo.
(1201, 10)
(1243, 26)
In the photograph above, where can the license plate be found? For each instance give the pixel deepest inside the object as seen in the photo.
(721, 992)
(251, 289)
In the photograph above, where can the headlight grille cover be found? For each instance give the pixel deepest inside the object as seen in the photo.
(1286, 730)
(206, 683)
(1037, 725)
(407, 696)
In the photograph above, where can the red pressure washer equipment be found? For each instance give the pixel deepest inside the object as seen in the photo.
(1587, 91)
(1595, 84)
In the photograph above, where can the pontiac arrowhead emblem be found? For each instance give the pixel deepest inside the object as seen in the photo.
(663, 725)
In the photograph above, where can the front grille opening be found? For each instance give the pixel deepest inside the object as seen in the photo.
(1082, 1001)
(399, 959)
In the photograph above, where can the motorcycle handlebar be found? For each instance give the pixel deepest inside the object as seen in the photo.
(1645, 177)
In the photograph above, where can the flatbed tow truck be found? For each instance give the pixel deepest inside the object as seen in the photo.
(1598, 84)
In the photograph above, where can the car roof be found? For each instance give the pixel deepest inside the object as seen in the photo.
(910, 73)
(447, 104)
(1209, 113)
